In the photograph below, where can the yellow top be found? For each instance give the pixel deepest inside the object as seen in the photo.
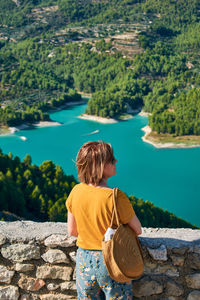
(92, 209)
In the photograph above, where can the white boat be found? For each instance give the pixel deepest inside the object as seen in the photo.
(23, 138)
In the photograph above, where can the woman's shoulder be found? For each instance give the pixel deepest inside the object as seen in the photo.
(121, 194)
(76, 188)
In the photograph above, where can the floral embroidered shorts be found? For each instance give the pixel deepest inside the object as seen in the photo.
(93, 281)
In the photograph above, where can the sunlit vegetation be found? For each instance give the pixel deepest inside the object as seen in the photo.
(32, 192)
(42, 62)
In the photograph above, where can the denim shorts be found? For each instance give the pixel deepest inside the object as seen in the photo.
(93, 280)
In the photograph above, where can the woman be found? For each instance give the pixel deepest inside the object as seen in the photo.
(90, 206)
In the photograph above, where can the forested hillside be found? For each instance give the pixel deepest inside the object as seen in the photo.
(138, 54)
(32, 192)
(39, 193)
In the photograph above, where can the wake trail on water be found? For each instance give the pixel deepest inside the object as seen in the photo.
(93, 132)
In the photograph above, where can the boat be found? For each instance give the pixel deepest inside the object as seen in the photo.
(23, 138)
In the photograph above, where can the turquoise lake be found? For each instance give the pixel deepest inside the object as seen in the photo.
(167, 177)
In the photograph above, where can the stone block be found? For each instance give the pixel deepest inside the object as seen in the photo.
(194, 295)
(55, 240)
(170, 298)
(68, 285)
(149, 267)
(55, 256)
(52, 286)
(24, 267)
(25, 297)
(194, 261)
(166, 270)
(73, 256)
(20, 252)
(2, 239)
(180, 251)
(177, 260)
(54, 272)
(158, 253)
(174, 289)
(146, 287)
(9, 292)
(57, 297)
(6, 275)
(196, 250)
(193, 281)
(35, 297)
(30, 284)
(74, 274)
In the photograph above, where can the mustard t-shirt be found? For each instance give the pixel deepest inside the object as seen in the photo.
(92, 209)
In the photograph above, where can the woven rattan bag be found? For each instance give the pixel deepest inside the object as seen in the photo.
(122, 253)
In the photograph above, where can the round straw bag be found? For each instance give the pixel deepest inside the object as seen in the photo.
(122, 253)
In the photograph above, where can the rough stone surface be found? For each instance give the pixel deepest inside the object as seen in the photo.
(57, 297)
(195, 295)
(152, 237)
(52, 286)
(20, 252)
(196, 250)
(24, 267)
(174, 289)
(20, 230)
(194, 261)
(6, 275)
(170, 298)
(35, 297)
(149, 267)
(54, 272)
(193, 281)
(54, 256)
(177, 260)
(160, 281)
(146, 287)
(25, 297)
(180, 251)
(74, 274)
(30, 284)
(2, 239)
(167, 270)
(158, 253)
(68, 285)
(172, 238)
(9, 292)
(73, 256)
(59, 240)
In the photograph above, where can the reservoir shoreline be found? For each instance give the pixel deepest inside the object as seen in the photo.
(98, 119)
(173, 175)
(24, 126)
(147, 129)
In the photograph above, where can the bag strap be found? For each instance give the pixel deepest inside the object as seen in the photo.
(114, 213)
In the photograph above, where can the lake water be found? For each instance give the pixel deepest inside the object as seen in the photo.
(167, 177)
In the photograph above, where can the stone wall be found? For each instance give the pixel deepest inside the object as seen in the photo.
(37, 262)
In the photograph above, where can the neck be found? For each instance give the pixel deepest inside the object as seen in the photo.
(103, 183)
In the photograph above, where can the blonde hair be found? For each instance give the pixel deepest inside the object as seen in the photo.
(91, 159)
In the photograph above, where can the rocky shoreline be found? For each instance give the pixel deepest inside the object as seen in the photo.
(147, 130)
(11, 130)
(27, 126)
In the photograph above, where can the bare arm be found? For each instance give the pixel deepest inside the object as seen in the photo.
(135, 224)
(72, 229)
